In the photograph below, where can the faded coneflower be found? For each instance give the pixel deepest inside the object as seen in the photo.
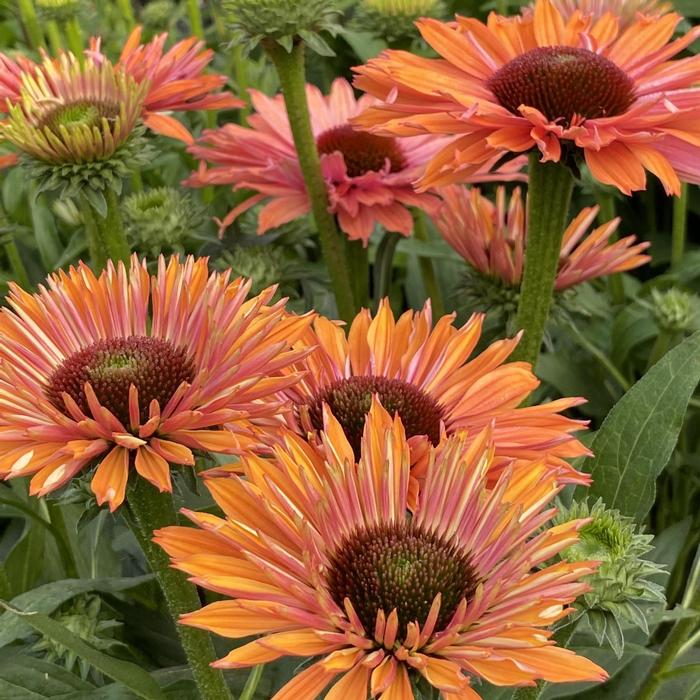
(131, 370)
(492, 239)
(368, 178)
(538, 81)
(320, 556)
(430, 378)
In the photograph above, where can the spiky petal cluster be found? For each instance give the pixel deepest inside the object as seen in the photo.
(84, 364)
(369, 180)
(441, 375)
(539, 81)
(73, 112)
(394, 20)
(476, 551)
(625, 10)
(491, 237)
(623, 576)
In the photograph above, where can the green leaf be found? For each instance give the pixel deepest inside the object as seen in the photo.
(27, 678)
(45, 599)
(639, 434)
(129, 674)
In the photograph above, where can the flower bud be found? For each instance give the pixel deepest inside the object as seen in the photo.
(673, 309)
(394, 20)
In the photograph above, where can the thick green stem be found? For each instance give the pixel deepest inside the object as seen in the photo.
(427, 270)
(5, 587)
(562, 637)
(152, 510)
(383, 264)
(676, 639)
(106, 236)
(195, 15)
(606, 204)
(661, 346)
(290, 68)
(30, 22)
(358, 264)
(680, 225)
(19, 271)
(549, 196)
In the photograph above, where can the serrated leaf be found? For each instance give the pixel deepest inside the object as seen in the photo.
(640, 433)
(125, 672)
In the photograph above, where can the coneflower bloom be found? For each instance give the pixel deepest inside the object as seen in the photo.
(177, 81)
(320, 557)
(68, 112)
(491, 237)
(625, 10)
(368, 177)
(428, 376)
(132, 369)
(538, 81)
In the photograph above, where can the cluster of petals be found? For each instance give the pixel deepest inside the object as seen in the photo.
(237, 346)
(472, 390)
(283, 523)
(658, 132)
(626, 10)
(177, 81)
(263, 158)
(491, 237)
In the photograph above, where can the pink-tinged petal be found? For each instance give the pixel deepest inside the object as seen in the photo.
(167, 126)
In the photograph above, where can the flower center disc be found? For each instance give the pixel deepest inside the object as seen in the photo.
(350, 400)
(400, 567)
(154, 366)
(561, 81)
(361, 151)
(88, 114)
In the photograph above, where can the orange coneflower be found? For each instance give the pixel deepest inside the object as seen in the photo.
(429, 377)
(492, 239)
(132, 369)
(536, 81)
(322, 558)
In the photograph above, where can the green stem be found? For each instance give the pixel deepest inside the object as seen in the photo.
(54, 35)
(74, 37)
(358, 265)
(127, 12)
(676, 639)
(661, 346)
(240, 72)
(427, 270)
(562, 637)
(195, 14)
(606, 204)
(106, 235)
(292, 76)
(5, 587)
(19, 271)
(549, 196)
(30, 22)
(60, 533)
(251, 684)
(152, 510)
(383, 264)
(680, 225)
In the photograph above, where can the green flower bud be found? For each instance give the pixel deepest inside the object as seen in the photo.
(623, 575)
(161, 220)
(673, 309)
(59, 10)
(158, 14)
(283, 21)
(394, 20)
(263, 265)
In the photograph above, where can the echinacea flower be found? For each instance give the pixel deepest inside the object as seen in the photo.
(491, 237)
(73, 112)
(320, 556)
(128, 369)
(428, 376)
(368, 177)
(539, 82)
(177, 81)
(625, 10)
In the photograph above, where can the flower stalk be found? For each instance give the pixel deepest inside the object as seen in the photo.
(550, 189)
(150, 510)
(680, 225)
(290, 68)
(432, 287)
(106, 235)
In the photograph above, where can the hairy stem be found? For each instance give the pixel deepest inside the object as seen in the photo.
(106, 236)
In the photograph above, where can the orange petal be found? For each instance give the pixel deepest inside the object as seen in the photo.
(154, 468)
(352, 686)
(167, 126)
(109, 482)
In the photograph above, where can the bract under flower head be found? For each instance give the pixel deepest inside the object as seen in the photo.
(73, 112)
(491, 237)
(318, 554)
(578, 85)
(136, 370)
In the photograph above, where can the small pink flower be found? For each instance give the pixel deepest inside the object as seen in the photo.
(491, 238)
(369, 178)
